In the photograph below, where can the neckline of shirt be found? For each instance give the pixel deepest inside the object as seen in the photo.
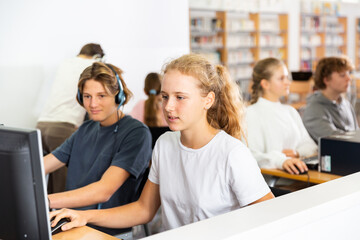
(202, 148)
(111, 127)
(265, 101)
(334, 102)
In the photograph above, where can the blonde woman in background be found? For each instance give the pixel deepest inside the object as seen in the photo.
(276, 134)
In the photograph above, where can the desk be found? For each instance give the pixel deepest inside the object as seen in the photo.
(323, 211)
(314, 176)
(83, 233)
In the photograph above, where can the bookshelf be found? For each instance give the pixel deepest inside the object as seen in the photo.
(238, 44)
(335, 36)
(206, 34)
(271, 35)
(311, 40)
(321, 36)
(357, 44)
(239, 39)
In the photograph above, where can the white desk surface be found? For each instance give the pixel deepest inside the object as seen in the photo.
(329, 210)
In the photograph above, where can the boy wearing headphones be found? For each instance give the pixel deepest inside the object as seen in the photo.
(62, 115)
(108, 155)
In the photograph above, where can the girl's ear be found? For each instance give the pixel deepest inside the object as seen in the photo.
(209, 100)
(264, 84)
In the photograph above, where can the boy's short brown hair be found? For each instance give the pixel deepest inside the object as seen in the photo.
(327, 66)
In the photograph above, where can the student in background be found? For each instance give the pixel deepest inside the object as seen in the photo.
(276, 135)
(149, 111)
(200, 170)
(108, 155)
(327, 112)
(62, 115)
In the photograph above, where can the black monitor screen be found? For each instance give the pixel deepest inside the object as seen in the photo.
(23, 201)
(301, 76)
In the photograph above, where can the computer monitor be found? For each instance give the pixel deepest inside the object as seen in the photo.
(339, 153)
(301, 76)
(23, 201)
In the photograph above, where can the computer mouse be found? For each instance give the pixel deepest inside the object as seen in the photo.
(301, 173)
(57, 228)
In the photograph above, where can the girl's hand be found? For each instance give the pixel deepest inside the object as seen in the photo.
(290, 153)
(76, 217)
(293, 165)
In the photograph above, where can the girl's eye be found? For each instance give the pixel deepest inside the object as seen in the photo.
(87, 97)
(180, 98)
(164, 97)
(102, 96)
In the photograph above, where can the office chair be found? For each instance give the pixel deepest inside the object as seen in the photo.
(278, 191)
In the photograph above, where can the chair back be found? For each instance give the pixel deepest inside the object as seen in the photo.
(299, 90)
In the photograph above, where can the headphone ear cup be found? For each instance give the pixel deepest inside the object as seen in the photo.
(120, 98)
(79, 98)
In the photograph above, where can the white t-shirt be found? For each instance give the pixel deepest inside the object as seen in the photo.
(62, 105)
(273, 127)
(196, 184)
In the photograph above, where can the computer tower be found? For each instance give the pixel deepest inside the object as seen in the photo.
(340, 154)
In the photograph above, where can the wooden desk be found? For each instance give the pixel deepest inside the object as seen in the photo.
(83, 233)
(314, 176)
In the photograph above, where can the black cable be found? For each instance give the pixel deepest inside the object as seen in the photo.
(308, 179)
(117, 123)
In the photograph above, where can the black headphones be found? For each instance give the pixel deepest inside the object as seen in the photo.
(119, 98)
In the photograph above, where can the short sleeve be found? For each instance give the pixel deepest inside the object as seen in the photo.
(244, 176)
(63, 152)
(154, 171)
(134, 152)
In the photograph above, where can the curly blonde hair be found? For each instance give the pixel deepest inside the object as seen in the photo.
(227, 112)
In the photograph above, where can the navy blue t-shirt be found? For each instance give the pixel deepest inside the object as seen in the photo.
(92, 149)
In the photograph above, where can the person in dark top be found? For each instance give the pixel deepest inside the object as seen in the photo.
(62, 115)
(108, 155)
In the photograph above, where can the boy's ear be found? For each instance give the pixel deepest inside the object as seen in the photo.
(326, 81)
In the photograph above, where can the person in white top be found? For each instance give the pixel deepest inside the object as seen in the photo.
(200, 170)
(276, 134)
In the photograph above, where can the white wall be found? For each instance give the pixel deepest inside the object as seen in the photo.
(138, 36)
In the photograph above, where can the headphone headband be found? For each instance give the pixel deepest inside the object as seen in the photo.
(120, 97)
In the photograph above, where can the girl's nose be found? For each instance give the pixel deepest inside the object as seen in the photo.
(168, 104)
